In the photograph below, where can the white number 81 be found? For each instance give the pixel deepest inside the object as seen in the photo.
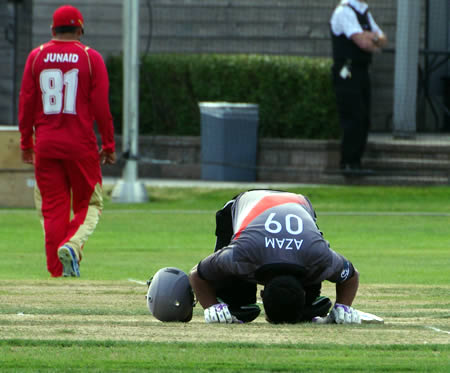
(52, 82)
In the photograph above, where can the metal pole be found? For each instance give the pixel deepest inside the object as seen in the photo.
(126, 74)
(16, 48)
(406, 63)
(130, 190)
(131, 99)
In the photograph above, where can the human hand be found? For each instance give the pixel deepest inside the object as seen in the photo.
(380, 40)
(343, 314)
(340, 314)
(28, 156)
(107, 157)
(219, 313)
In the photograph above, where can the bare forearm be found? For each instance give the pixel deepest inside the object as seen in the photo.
(204, 291)
(367, 41)
(346, 291)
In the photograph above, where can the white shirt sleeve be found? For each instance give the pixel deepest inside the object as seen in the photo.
(344, 21)
(374, 26)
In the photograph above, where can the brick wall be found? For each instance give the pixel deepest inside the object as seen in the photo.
(7, 62)
(284, 27)
(424, 161)
(15, 44)
(179, 157)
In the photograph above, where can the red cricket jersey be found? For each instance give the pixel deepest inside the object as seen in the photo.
(65, 87)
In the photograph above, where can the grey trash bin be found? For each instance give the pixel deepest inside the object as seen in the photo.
(229, 139)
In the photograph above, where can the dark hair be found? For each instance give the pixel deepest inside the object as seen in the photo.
(283, 299)
(65, 29)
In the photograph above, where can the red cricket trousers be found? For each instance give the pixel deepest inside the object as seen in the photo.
(69, 201)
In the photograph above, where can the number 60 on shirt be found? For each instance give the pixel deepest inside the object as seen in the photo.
(292, 223)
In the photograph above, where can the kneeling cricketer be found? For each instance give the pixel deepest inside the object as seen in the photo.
(271, 238)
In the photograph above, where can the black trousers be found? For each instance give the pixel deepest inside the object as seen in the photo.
(353, 97)
(237, 293)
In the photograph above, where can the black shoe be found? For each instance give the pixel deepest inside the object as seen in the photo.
(348, 169)
(355, 170)
(320, 307)
(246, 313)
(366, 172)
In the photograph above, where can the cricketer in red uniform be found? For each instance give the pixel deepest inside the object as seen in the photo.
(64, 89)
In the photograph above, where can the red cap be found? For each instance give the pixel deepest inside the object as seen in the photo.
(67, 15)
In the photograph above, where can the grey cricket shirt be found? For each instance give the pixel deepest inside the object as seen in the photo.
(273, 227)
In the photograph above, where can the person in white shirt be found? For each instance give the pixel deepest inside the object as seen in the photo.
(355, 37)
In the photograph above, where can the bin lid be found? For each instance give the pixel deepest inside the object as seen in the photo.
(228, 108)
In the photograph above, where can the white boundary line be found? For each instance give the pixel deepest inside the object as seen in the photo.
(383, 213)
(137, 281)
(323, 213)
(437, 329)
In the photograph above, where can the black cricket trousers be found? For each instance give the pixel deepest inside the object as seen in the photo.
(353, 97)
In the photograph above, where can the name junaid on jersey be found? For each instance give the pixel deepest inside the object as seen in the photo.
(61, 57)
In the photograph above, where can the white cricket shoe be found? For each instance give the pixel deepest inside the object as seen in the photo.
(69, 261)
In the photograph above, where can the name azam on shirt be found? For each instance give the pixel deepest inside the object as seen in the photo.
(284, 243)
(61, 57)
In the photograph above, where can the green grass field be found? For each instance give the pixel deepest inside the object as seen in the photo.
(398, 238)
